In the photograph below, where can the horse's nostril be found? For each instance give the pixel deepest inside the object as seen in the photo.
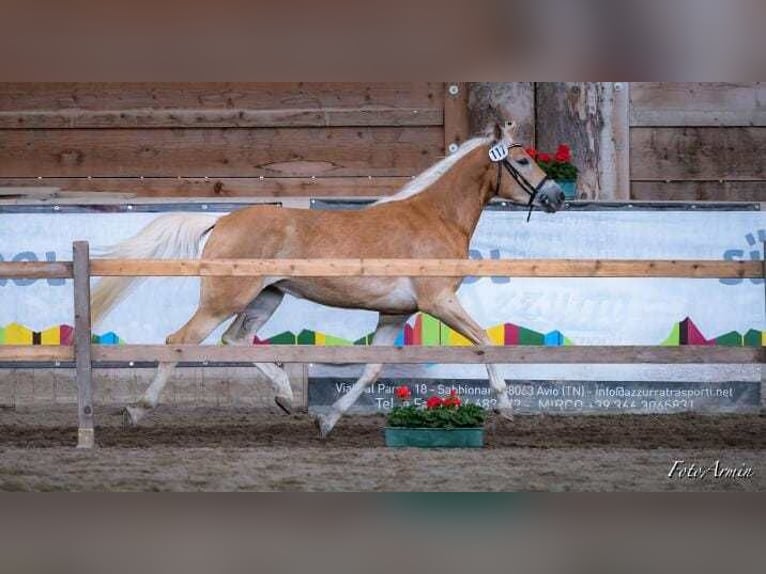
(561, 196)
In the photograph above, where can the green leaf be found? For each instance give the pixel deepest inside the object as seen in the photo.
(466, 415)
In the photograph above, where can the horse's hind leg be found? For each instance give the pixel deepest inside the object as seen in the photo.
(388, 328)
(246, 324)
(219, 301)
(196, 329)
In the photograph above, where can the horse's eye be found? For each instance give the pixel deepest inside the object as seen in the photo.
(522, 161)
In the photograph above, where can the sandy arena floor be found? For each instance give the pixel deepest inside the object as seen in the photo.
(235, 449)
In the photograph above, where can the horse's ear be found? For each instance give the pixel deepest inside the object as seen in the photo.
(498, 133)
(509, 131)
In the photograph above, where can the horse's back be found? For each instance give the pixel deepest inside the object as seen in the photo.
(386, 231)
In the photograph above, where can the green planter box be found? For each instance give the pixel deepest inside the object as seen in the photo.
(435, 438)
(569, 187)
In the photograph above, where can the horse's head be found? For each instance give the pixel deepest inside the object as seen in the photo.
(517, 176)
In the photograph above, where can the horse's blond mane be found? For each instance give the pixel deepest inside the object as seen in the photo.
(436, 171)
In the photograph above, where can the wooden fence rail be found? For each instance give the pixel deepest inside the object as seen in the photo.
(481, 354)
(85, 354)
(596, 268)
(432, 268)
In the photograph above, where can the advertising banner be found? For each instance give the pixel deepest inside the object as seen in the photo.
(515, 311)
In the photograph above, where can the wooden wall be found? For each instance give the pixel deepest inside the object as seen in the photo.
(698, 141)
(223, 140)
(686, 141)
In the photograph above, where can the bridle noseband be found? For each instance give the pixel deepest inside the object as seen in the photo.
(499, 155)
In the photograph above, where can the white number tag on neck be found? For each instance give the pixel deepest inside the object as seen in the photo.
(498, 152)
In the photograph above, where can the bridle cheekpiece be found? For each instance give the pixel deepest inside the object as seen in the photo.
(498, 154)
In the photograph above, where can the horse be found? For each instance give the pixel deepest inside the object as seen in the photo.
(433, 216)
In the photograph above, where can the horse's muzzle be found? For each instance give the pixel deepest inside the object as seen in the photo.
(551, 197)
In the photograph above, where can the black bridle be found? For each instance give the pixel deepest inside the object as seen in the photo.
(520, 179)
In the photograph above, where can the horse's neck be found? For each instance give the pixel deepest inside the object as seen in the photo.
(459, 196)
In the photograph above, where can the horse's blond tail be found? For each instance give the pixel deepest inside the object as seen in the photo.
(172, 236)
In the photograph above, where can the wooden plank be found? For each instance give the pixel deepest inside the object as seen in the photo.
(698, 104)
(204, 118)
(697, 153)
(753, 191)
(218, 152)
(82, 344)
(32, 188)
(217, 187)
(31, 353)
(763, 247)
(456, 121)
(427, 268)
(620, 140)
(218, 95)
(359, 354)
(697, 118)
(35, 269)
(419, 355)
(393, 267)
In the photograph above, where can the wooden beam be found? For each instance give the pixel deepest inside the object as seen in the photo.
(221, 118)
(697, 104)
(728, 190)
(221, 152)
(699, 269)
(415, 355)
(697, 118)
(82, 344)
(35, 269)
(218, 188)
(616, 140)
(35, 353)
(456, 118)
(444, 355)
(119, 96)
(698, 154)
(427, 268)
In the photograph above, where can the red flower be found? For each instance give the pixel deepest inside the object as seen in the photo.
(563, 154)
(532, 152)
(452, 400)
(434, 402)
(402, 393)
(544, 157)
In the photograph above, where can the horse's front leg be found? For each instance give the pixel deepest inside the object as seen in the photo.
(388, 329)
(447, 308)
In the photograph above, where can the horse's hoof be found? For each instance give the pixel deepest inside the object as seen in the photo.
(507, 414)
(285, 404)
(131, 416)
(324, 424)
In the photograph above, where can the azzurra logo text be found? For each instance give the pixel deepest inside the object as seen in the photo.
(476, 254)
(754, 252)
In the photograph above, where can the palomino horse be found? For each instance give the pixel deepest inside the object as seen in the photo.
(433, 216)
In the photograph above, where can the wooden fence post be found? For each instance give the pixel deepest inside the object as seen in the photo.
(763, 261)
(82, 342)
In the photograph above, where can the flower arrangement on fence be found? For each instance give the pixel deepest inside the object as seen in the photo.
(557, 166)
(437, 412)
